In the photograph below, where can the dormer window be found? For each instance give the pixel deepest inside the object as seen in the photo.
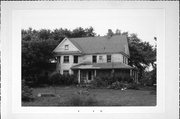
(66, 47)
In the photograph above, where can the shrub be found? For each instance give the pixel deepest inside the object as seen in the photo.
(128, 79)
(108, 81)
(57, 79)
(82, 100)
(29, 80)
(133, 86)
(99, 82)
(68, 79)
(26, 93)
(118, 85)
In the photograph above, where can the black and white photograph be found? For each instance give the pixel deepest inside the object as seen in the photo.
(90, 58)
(86, 59)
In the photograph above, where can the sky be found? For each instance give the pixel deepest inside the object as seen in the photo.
(146, 23)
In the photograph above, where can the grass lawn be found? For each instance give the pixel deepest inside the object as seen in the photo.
(104, 97)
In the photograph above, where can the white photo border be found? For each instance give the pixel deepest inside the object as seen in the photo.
(12, 15)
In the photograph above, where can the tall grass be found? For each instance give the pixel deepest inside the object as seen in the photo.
(82, 100)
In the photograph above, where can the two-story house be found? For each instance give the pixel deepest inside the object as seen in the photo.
(89, 57)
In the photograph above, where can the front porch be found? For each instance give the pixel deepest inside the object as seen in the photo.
(85, 75)
(87, 72)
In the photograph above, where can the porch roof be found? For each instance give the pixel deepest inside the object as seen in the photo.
(111, 65)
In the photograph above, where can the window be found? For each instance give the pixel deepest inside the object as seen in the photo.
(94, 60)
(66, 47)
(124, 60)
(100, 57)
(65, 72)
(108, 58)
(66, 59)
(75, 59)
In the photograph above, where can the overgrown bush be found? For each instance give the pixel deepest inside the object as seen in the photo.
(68, 79)
(26, 93)
(58, 79)
(118, 85)
(108, 81)
(55, 79)
(149, 78)
(133, 86)
(99, 82)
(82, 100)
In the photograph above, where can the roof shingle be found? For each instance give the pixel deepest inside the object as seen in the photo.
(101, 44)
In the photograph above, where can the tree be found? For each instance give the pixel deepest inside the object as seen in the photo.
(142, 54)
(90, 32)
(80, 32)
(37, 47)
(44, 34)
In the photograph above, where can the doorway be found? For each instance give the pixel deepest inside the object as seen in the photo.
(89, 75)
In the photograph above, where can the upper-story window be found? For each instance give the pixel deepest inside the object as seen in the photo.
(125, 60)
(75, 59)
(66, 47)
(94, 59)
(108, 58)
(66, 59)
(100, 58)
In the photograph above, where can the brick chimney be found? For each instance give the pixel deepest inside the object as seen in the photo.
(110, 33)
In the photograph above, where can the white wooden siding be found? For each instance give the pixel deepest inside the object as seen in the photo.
(114, 58)
(61, 46)
(84, 58)
(87, 58)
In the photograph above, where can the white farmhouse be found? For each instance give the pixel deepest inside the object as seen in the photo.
(88, 57)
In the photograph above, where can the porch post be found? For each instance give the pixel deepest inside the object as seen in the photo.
(95, 72)
(79, 76)
(130, 72)
(137, 77)
(92, 77)
(86, 76)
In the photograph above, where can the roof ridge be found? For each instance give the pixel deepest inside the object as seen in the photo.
(95, 36)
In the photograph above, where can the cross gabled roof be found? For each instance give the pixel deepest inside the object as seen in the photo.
(101, 44)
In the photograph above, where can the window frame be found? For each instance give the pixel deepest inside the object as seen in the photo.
(94, 56)
(65, 60)
(66, 47)
(124, 59)
(76, 59)
(109, 60)
(100, 57)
